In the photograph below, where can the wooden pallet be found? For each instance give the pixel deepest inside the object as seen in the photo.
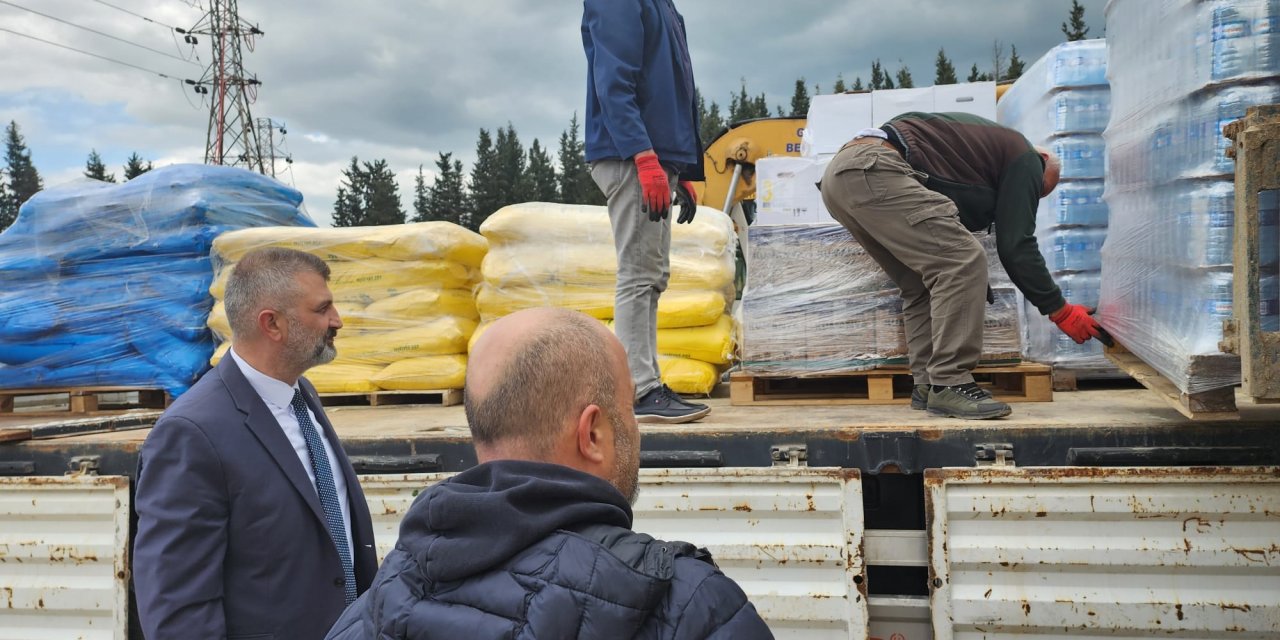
(84, 400)
(1070, 379)
(1024, 382)
(442, 397)
(1214, 404)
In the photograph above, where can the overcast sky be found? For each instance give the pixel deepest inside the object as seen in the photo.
(406, 79)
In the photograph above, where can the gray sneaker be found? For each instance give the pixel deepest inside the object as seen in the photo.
(661, 405)
(967, 402)
(920, 397)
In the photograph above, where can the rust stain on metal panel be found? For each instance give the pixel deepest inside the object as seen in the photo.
(1026, 608)
(745, 507)
(987, 594)
(1248, 554)
(1042, 514)
(1178, 609)
(8, 591)
(1237, 607)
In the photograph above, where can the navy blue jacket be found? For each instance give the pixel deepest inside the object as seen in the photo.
(514, 549)
(640, 91)
(232, 541)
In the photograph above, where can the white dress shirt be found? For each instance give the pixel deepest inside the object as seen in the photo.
(278, 397)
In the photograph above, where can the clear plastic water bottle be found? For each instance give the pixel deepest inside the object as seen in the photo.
(1078, 249)
(1269, 303)
(1079, 64)
(1077, 203)
(1231, 42)
(1082, 156)
(1215, 306)
(1206, 225)
(1266, 30)
(1269, 227)
(1081, 110)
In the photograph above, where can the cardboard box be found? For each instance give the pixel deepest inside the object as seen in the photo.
(977, 98)
(885, 105)
(833, 119)
(787, 190)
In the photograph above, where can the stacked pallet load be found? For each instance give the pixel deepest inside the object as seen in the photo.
(404, 293)
(1062, 102)
(106, 285)
(554, 255)
(1181, 71)
(817, 305)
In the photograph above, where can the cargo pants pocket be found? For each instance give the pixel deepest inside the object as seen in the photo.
(863, 183)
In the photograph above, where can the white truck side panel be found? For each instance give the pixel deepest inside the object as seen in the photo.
(64, 566)
(1104, 553)
(792, 538)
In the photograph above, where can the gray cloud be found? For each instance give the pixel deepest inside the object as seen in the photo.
(406, 80)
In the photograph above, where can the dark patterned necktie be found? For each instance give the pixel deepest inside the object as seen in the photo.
(328, 492)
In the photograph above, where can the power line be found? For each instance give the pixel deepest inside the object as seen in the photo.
(136, 15)
(100, 57)
(105, 35)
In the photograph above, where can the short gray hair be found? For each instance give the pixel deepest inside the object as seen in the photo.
(264, 278)
(562, 366)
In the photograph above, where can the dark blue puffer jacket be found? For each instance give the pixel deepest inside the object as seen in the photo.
(515, 549)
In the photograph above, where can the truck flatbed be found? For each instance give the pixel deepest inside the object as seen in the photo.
(1106, 427)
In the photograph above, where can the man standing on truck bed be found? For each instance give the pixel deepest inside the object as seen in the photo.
(911, 193)
(536, 541)
(251, 522)
(641, 133)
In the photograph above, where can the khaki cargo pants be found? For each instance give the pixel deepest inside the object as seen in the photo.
(916, 236)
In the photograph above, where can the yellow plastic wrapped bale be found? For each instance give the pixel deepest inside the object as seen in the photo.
(219, 353)
(421, 304)
(414, 241)
(218, 321)
(712, 343)
(686, 376)
(530, 264)
(439, 337)
(343, 378)
(494, 302)
(424, 374)
(373, 279)
(676, 309)
(555, 224)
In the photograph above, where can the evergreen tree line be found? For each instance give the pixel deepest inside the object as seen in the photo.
(504, 173)
(19, 179)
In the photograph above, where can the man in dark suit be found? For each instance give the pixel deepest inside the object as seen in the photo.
(251, 522)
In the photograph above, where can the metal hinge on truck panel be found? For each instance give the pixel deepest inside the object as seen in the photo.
(789, 455)
(990, 454)
(84, 465)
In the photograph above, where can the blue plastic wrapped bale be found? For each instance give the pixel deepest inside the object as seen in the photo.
(107, 285)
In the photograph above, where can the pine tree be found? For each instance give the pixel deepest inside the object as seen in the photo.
(133, 167)
(382, 199)
(447, 196)
(348, 208)
(997, 61)
(486, 178)
(744, 107)
(540, 176)
(421, 213)
(840, 87)
(24, 180)
(511, 167)
(8, 209)
(800, 100)
(878, 75)
(974, 75)
(576, 185)
(710, 123)
(1015, 65)
(888, 81)
(944, 71)
(1077, 29)
(904, 78)
(94, 169)
(857, 84)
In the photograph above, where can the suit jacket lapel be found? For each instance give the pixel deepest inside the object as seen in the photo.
(266, 429)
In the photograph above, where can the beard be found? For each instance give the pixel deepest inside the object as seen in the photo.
(307, 349)
(626, 464)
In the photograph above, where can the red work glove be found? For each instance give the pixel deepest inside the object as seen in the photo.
(687, 201)
(655, 191)
(1077, 321)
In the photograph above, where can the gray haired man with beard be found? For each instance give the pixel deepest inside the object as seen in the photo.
(251, 523)
(536, 541)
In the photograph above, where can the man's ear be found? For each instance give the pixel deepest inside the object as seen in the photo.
(270, 325)
(590, 438)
